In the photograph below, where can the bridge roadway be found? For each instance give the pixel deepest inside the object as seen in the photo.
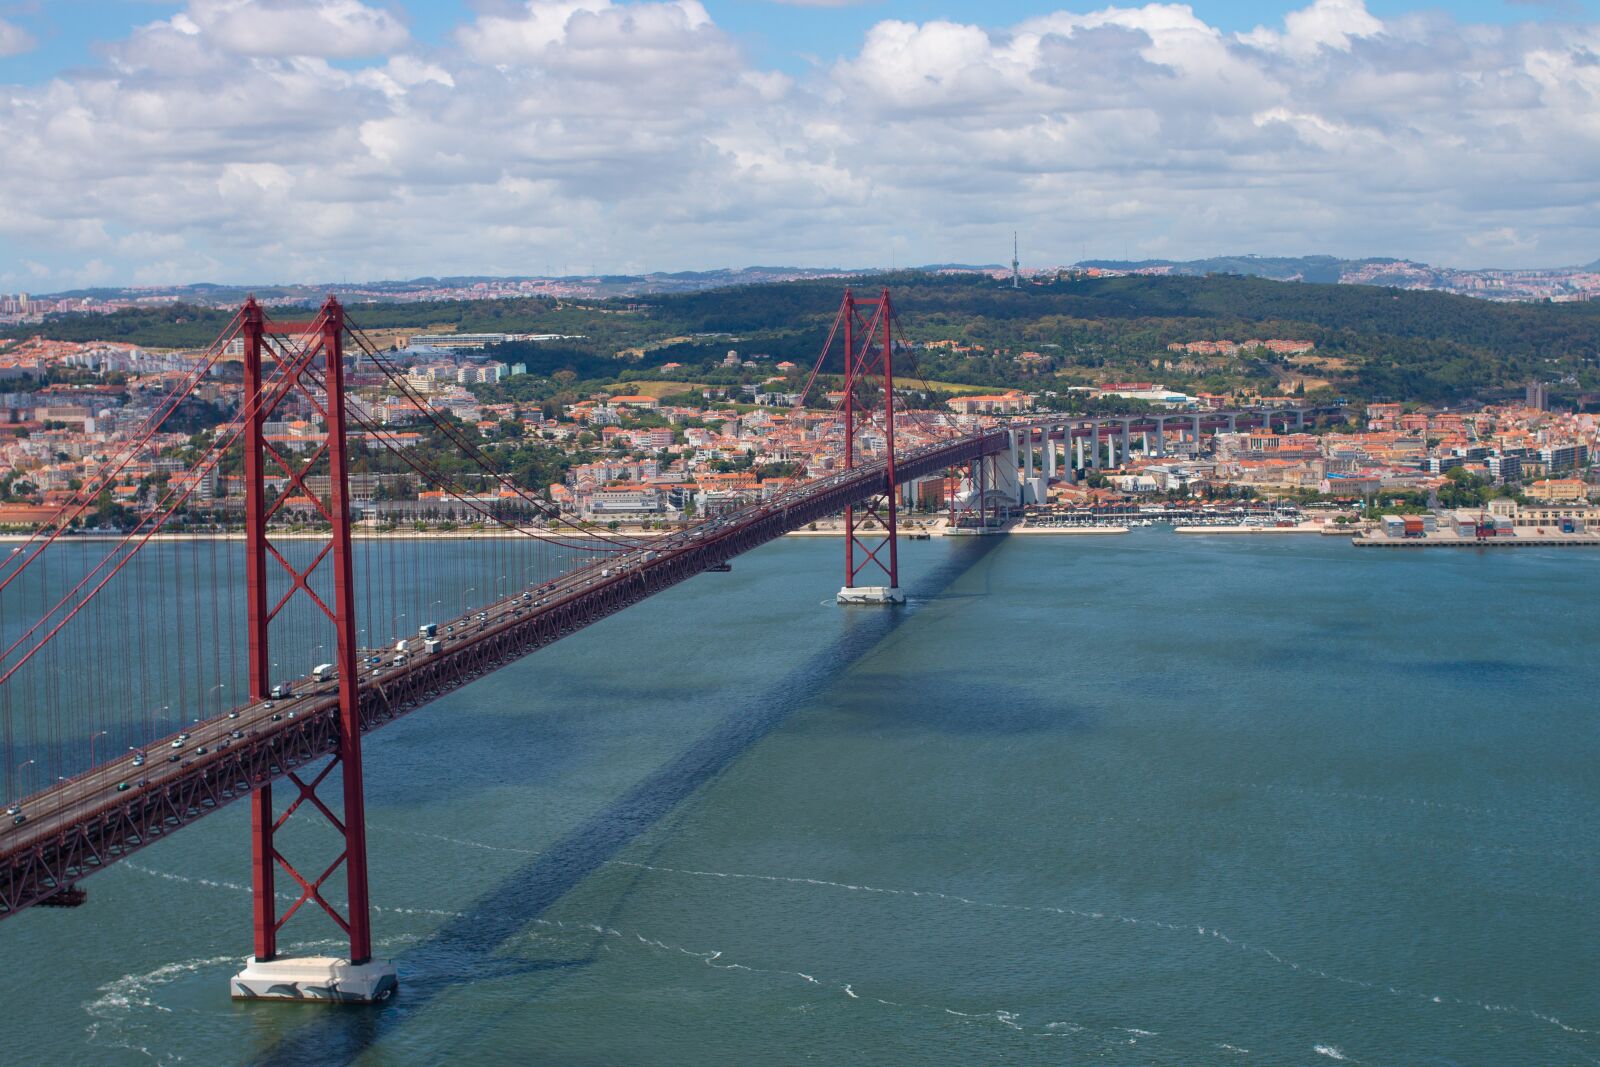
(1063, 427)
(86, 823)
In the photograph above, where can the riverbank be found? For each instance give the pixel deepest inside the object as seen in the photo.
(1451, 539)
(934, 529)
(362, 535)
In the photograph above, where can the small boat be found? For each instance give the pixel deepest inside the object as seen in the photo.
(720, 568)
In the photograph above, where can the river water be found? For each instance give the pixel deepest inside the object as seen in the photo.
(1138, 799)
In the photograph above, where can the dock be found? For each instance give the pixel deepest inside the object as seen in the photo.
(1450, 539)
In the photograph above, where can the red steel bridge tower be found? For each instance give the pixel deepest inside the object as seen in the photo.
(871, 527)
(302, 366)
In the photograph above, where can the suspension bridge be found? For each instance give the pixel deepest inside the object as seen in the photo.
(150, 678)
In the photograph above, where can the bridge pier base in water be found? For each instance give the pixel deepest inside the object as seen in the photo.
(325, 979)
(871, 594)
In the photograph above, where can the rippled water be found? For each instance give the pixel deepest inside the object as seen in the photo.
(1144, 799)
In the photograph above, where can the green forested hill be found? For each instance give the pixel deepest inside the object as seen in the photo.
(1406, 345)
(163, 326)
(1371, 342)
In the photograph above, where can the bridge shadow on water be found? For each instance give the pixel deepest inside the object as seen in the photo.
(468, 949)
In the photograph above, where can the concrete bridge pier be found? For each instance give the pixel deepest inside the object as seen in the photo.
(1094, 445)
(1161, 436)
(313, 978)
(1033, 489)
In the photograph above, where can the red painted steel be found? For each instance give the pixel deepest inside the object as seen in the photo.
(262, 867)
(56, 852)
(101, 825)
(355, 818)
(323, 337)
(848, 312)
(872, 363)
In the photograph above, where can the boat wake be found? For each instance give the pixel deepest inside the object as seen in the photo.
(1199, 930)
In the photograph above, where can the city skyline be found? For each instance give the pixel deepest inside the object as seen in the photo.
(231, 140)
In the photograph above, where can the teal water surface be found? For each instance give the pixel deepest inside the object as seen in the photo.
(1140, 799)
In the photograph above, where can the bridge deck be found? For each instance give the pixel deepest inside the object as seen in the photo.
(88, 822)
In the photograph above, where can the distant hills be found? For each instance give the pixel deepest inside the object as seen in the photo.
(453, 287)
(1078, 327)
(1326, 269)
(1540, 283)
(1554, 283)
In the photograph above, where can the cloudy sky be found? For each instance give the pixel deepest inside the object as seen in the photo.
(325, 140)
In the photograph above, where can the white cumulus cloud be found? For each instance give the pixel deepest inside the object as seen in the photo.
(309, 139)
(327, 28)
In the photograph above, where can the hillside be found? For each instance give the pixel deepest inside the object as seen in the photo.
(1370, 342)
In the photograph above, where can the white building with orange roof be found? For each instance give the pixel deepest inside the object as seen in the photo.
(1011, 402)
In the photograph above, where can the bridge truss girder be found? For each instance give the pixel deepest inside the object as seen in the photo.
(43, 867)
